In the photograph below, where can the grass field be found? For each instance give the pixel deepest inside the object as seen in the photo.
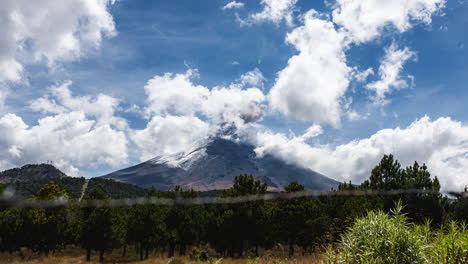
(75, 255)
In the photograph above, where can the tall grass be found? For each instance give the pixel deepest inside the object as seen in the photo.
(379, 238)
(449, 245)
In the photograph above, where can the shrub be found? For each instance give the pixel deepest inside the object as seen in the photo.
(379, 238)
(199, 255)
(450, 245)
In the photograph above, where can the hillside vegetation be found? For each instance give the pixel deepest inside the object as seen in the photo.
(29, 179)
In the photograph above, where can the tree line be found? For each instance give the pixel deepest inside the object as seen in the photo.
(231, 229)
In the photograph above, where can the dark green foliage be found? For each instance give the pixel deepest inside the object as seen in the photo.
(12, 228)
(29, 188)
(459, 208)
(184, 224)
(389, 175)
(243, 223)
(299, 221)
(98, 230)
(199, 255)
(294, 187)
(145, 226)
(114, 189)
(47, 227)
(245, 185)
(385, 176)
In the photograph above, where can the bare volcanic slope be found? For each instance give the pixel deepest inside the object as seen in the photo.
(214, 166)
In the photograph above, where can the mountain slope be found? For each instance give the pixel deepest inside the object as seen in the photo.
(29, 179)
(31, 172)
(214, 166)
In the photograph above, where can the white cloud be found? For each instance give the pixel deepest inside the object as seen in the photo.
(312, 86)
(50, 31)
(354, 116)
(233, 104)
(273, 11)
(69, 139)
(442, 144)
(367, 19)
(313, 82)
(78, 131)
(389, 72)
(101, 107)
(175, 94)
(10, 70)
(169, 135)
(312, 131)
(253, 78)
(362, 76)
(233, 5)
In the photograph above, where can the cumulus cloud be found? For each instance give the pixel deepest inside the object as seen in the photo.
(313, 82)
(169, 135)
(233, 104)
(69, 139)
(253, 78)
(442, 144)
(312, 86)
(274, 11)
(50, 31)
(366, 20)
(389, 72)
(102, 107)
(75, 131)
(312, 131)
(175, 94)
(233, 5)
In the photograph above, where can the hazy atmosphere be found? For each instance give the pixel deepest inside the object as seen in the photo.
(332, 86)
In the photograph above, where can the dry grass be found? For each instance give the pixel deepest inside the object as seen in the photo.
(72, 256)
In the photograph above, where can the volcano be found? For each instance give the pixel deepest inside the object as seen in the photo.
(214, 165)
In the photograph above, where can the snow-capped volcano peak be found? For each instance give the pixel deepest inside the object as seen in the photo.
(214, 164)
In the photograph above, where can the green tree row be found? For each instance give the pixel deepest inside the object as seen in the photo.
(231, 229)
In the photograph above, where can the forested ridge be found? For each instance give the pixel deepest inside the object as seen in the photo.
(301, 225)
(26, 181)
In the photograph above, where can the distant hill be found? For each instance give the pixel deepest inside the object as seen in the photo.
(214, 165)
(29, 179)
(31, 172)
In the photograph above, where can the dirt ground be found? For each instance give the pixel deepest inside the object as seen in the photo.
(73, 255)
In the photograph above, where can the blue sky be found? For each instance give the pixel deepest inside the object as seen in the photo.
(83, 82)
